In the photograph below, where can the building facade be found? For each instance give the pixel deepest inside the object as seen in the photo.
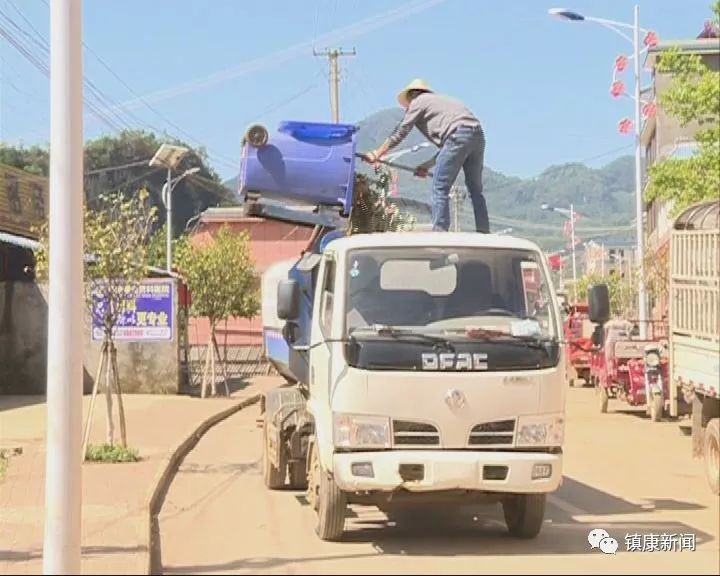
(664, 137)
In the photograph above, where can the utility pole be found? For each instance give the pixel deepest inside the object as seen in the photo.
(63, 477)
(332, 56)
(572, 239)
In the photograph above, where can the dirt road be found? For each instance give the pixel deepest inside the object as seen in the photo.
(623, 474)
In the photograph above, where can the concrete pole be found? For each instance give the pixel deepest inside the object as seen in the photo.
(642, 304)
(63, 477)
(333, 56)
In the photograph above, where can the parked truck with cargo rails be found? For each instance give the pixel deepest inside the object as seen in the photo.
(430, 367)
(695, 328)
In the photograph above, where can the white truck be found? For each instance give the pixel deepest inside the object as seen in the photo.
(430, 367)
(695, 328)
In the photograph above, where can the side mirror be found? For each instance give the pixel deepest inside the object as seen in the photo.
(290, 332)
(599, 304)
(597, 336)
(288, 300)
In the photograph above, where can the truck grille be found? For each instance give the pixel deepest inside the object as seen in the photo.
(496, 433)
(414, 434)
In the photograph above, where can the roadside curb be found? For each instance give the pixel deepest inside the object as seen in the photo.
(166, 474)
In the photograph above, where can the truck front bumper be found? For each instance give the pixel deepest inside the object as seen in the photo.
(437, 470)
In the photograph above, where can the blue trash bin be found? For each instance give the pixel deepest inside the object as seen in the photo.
(306, 163)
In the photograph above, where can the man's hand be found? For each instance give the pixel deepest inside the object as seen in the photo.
(421, 171)
(371, 157)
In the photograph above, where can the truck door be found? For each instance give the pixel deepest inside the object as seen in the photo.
(320, 354)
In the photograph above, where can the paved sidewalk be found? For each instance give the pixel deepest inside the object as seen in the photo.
(114, 495)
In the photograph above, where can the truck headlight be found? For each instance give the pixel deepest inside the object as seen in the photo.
(358, 431)
(652, 359)
(545, 430)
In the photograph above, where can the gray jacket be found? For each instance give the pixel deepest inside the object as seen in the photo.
(435, 116)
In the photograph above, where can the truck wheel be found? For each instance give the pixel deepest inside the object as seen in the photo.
(711, 454)
(331, 509)
(274, 476)
(657, 406)
(298, 476)
(603, 393)
(524, 514)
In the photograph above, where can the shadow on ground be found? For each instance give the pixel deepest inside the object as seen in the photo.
(27, 555)
(478, 531)
(235, 385)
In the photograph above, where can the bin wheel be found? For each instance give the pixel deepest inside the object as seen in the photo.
(256, 135)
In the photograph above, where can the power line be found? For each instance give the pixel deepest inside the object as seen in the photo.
(281, 56)
(105, 102)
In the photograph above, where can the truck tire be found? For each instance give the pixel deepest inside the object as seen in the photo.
(604, 398)
(332, 506)
(524, 514)
(657, 406)
(298, 475)
(711, 454)
(274, 476)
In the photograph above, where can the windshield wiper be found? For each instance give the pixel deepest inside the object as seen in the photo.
(488, 335)
(405, 335)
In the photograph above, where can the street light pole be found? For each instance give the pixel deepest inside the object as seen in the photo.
(640, 233)
(63, 468)
(167, 197)
(642, 304)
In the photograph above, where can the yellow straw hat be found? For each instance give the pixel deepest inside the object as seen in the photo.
(416, 84)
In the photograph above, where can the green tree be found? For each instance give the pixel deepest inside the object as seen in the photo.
(120, 163)
(116, 236)
(134, 149)
(34, 160)
(622, 292)
(694, 96)
(222, 283)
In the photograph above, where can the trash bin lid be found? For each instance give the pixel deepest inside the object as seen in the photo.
(317, 132)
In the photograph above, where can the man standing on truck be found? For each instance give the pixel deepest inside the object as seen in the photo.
(453, 128)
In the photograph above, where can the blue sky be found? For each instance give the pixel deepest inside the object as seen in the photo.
(539, 85)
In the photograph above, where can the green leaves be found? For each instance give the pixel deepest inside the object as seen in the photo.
(693, 97)
(111, 453)
(220, 276)
(116, 238)
(622, 291)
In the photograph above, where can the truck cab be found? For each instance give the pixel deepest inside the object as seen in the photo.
(432, 376)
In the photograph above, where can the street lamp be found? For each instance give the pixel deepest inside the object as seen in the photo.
(170, 156)
(617, 27)
(570, 215)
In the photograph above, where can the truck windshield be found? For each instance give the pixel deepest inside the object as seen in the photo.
(449, 290)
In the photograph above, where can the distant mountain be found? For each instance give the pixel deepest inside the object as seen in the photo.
(604, 197)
